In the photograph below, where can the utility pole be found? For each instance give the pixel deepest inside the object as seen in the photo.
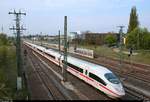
(121, 43)
(18, 46)
(59, 45)
(76, 42)
(65, 50)
(59, 41)
(41, 38)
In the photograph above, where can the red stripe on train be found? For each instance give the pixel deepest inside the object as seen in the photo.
(93, 80)
(108, 89)
(86, 77)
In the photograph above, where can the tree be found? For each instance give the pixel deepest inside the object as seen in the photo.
(110, 40)
(133, 21)
(139, 38)
(3, 39)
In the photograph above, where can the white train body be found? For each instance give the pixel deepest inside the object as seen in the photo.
(98, 76)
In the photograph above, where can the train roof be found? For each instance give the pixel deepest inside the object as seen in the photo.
(100, 70)
(52, 52)
(97, 69)
(40, 47)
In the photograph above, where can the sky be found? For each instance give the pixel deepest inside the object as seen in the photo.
(47, 16)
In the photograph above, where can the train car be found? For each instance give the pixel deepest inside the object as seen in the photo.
(97, 76)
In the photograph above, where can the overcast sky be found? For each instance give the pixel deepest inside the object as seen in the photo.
(47, 16)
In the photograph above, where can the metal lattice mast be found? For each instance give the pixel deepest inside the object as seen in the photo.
(59, 41)
(65, 50)
(121, 42)
(18, 43)
(41, 38)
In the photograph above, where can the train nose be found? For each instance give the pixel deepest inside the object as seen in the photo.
(120, 91)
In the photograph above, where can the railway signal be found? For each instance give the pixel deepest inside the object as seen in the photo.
(129, 55)
(131, 51)
(18, 46)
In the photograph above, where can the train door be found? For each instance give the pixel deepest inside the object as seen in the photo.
(59, 61)
(86, 75)
(86, 72)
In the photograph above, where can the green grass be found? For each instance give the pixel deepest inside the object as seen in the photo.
(8, 73)
(141, 57)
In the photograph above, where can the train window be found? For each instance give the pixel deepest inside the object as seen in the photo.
(112, 78)
(39, 50)
(75, 67)
(93, 76)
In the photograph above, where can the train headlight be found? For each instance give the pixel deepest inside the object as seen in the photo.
(120, 90)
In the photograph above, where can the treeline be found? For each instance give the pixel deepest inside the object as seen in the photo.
(8, 69)
(4, 40)
(138, 39)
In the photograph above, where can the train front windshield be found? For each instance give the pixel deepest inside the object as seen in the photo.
(112, 78)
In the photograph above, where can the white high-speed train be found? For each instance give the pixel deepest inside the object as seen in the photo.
(96, 75)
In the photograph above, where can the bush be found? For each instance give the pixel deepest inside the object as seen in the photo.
(3, 39)
(110, 40)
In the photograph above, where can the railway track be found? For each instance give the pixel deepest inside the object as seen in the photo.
(85, 92)
(83, 89)
(129, 74)
(53, 92)
(138, 71)
(114, 66)
(125, 75)
(138, 96)
(133, 92)
(142, 74)
(136, 66)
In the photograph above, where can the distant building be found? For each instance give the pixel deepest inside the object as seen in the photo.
(72, 35)
(96, 38)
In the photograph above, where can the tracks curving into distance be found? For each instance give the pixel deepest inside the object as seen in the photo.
(53, 92)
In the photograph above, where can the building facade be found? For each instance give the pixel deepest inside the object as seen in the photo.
(96, 38)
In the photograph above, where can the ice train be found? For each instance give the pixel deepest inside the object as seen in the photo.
(96, 75)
